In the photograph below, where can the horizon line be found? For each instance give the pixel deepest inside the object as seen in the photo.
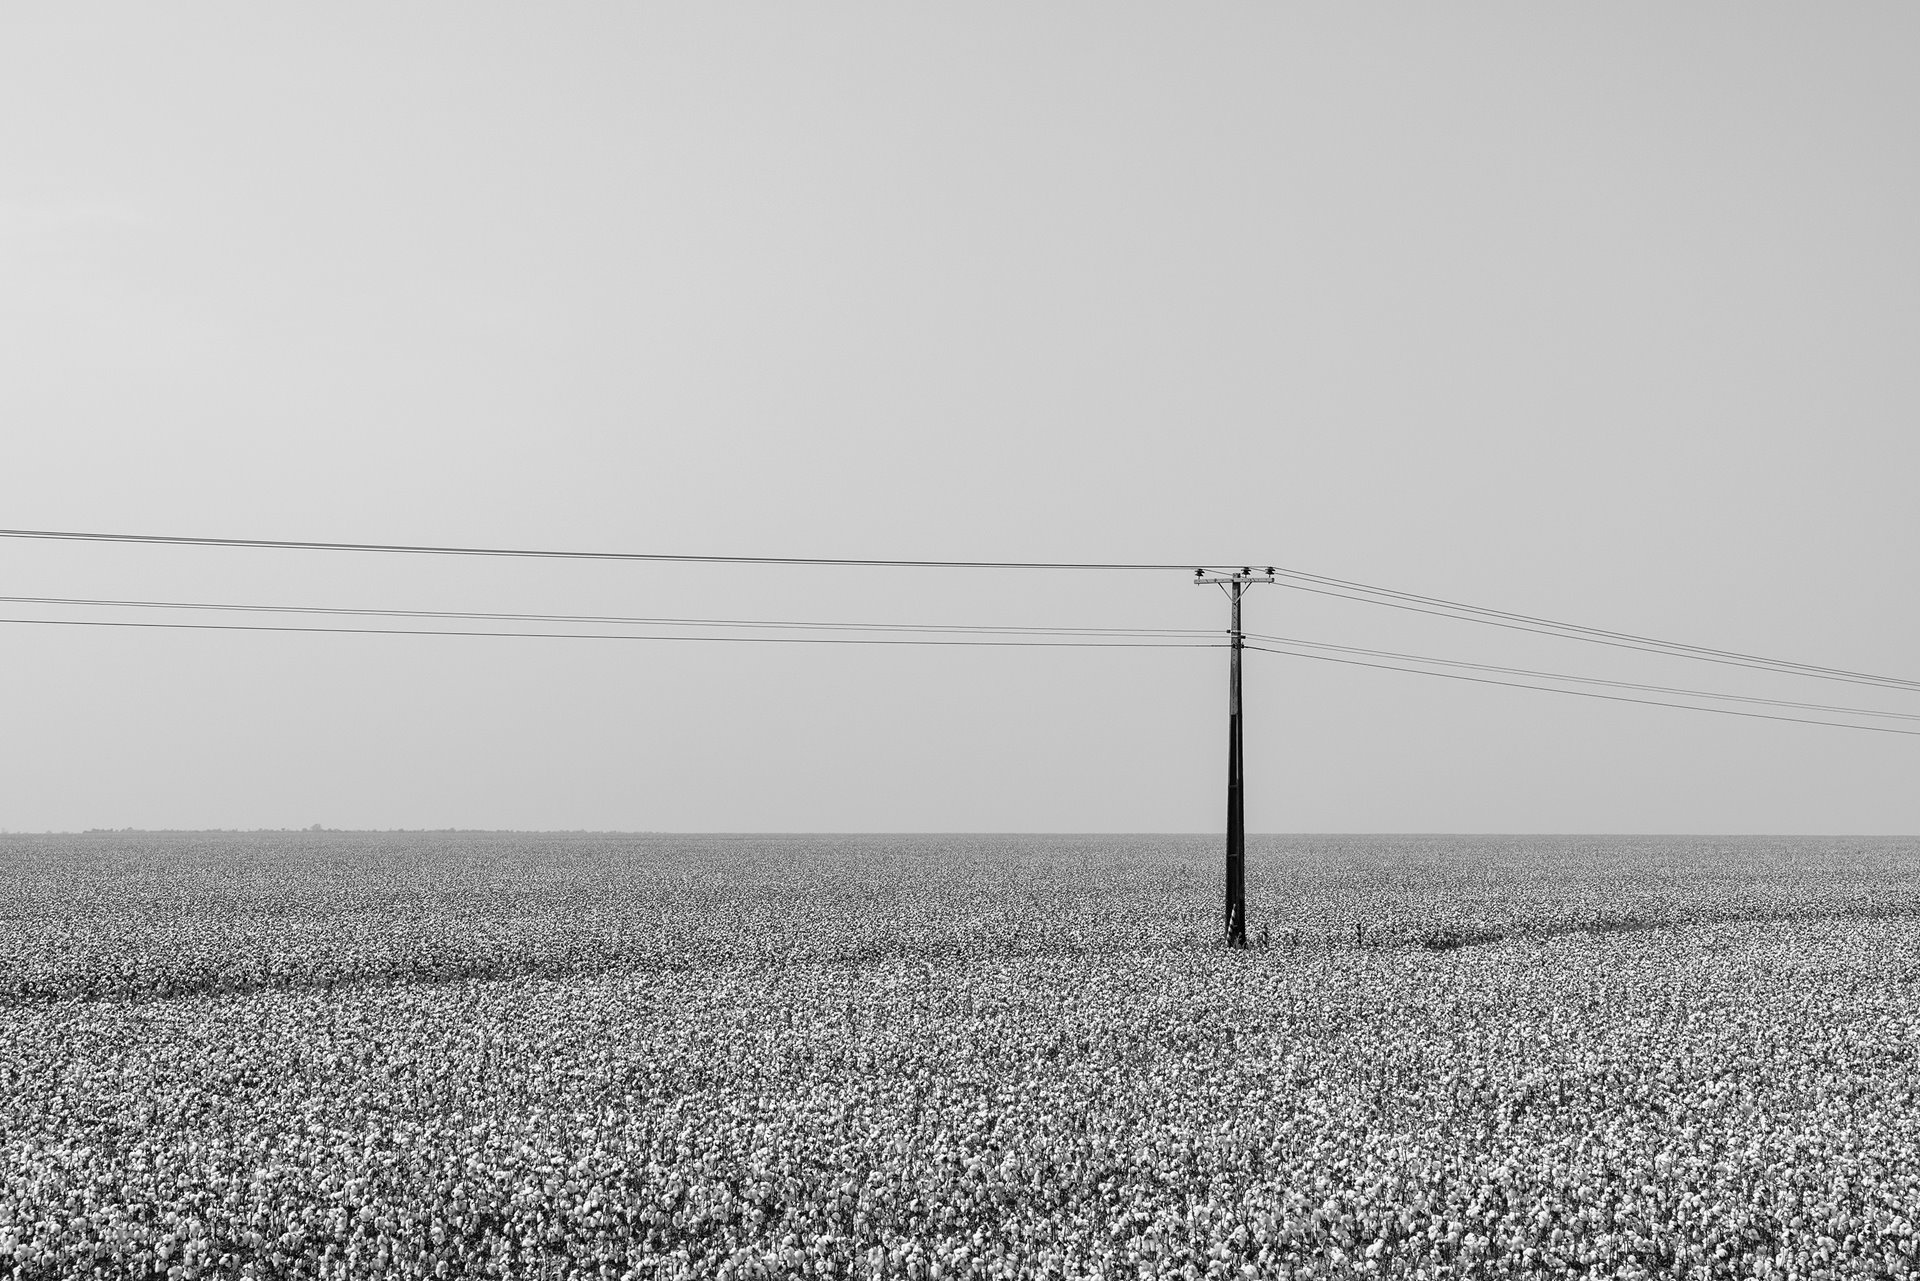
(317, 830)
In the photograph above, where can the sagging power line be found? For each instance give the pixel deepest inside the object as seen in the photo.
(1437, 607)
(1052, 636)
(1586, 680)
(1299, 580)
(1584, 693)
(1041, 637)
(619, 636)
(625, 620)
(532, 553)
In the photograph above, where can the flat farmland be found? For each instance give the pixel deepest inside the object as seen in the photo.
(574, 1056)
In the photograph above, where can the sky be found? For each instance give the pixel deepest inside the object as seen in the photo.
(1603, 313)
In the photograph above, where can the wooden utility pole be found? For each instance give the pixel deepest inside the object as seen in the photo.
(1235, 585)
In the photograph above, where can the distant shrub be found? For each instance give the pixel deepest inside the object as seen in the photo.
(1445, 938)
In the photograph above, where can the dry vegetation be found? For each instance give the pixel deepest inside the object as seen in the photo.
(338, 1056)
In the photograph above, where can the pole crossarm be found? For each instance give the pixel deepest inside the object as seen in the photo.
(1202, 577)
(1235, 584)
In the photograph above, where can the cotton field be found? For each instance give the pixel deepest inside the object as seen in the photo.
(586, 1057)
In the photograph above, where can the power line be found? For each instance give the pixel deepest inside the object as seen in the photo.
(611, 619)
(1299, 580)
(410, 549)
(1587, 680)
(968, 630)
(896, 628)
(1443, 608)
(1586, 693)
(619, 636)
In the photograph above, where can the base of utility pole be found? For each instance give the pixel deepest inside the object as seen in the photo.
(1235, 585)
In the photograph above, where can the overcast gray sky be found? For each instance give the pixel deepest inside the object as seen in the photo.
(1606, 313)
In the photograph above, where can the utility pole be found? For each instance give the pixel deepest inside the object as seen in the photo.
(1235, 584)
